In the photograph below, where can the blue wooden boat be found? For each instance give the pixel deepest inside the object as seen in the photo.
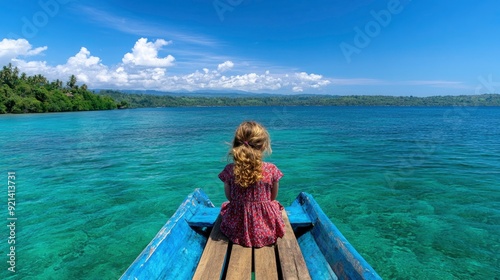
(175, 251)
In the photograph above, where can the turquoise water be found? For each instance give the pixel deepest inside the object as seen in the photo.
(415, 190)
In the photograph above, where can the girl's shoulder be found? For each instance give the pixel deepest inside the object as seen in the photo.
(271, 172)
(269, 165)
(227, 173)
(229, 167)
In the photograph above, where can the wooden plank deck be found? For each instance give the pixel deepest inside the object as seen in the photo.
(214, 255)
(240, 263)
(265, 263)
(223, 260)
(293, 265)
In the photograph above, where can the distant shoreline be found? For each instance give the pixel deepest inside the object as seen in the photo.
(21, 94)
(132, 100)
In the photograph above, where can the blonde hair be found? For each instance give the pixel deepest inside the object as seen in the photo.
(251, 141)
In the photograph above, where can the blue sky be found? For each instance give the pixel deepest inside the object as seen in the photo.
(390, 47)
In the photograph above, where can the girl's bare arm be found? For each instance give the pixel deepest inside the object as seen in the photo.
(274, 191)
(227, 191)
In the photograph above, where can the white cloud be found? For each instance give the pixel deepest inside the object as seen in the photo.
(83, 58)
(12, 49)
(225, 66)
(152, 73)
(145, 53)
(87, 68)
(308, 77)
(304, 80)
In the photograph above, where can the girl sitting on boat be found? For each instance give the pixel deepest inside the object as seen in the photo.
(252, 217)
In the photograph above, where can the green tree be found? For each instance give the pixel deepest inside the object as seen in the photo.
(35, 94)
(9, 75)
(57, 84)
(72, 82)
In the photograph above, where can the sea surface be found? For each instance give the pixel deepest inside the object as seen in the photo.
(415, 190)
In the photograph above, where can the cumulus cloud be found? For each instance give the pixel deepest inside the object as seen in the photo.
(304, 80)
(225, 66)
(145, 53)
(152, 73)
(308, 77)
(87, 68)
(12, 49)
(83, 58)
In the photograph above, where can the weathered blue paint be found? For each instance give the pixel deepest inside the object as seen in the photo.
(298, 218)
(205, 217)
(344, 260)
(175, 251)
(318, 266)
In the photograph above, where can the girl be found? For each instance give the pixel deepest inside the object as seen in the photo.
(252, 217)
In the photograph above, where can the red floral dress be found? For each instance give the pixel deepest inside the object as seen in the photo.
(251, 218)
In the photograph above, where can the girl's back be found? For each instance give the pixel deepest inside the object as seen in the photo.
(252, 217)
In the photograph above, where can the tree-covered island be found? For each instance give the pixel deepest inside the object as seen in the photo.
(149, 100)
(20, 93)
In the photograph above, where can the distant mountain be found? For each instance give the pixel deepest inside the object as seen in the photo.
(198, 93)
